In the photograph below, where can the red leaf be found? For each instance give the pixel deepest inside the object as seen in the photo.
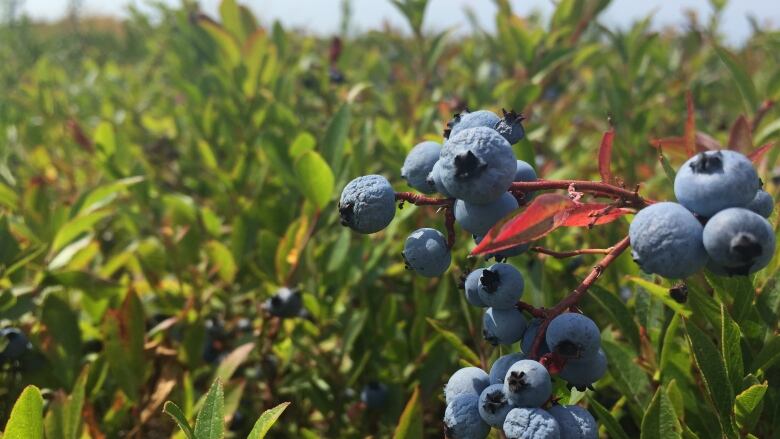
(545, 214)
(605, 155)
(690, 126)
(758, 154)
(740, 138)
(676, 145)
(706, 143)
(587, 215)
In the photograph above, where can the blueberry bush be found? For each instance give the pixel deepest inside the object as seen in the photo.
(188, 250)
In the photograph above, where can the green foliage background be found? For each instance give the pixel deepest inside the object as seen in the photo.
(156, 174)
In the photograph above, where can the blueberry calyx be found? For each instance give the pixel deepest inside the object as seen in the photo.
(745, 246)
(568, 349)
(679, 293)
(492, 339)
(512, 116)
(467, 165)
(347, 213)
(494, 401)
(707, 164)
(516, 381)
(490, 280)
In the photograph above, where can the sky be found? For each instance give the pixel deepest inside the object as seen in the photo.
(323, 16)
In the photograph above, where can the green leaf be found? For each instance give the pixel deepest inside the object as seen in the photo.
(618, 313)
(464, 351)
(302, 143)
(177, 415)
(315, 178)
(221, 260)
(102, 195)
(410, 425)
(744, 84)
(749, 404)
(609, 422)
(266, 421)
(713, 372)
(125, 332)
(738, 288)
(230, 14)
(630, 378)
(667, 167)
(731, 350)
(227, 43)
(26, 420)
(661, 293)
(336, 138)
(210, 423)
(64, 418)
(660, 420)
(75, 227)
(105, 140)
(63, 338)
(232, 361)
(767, 356)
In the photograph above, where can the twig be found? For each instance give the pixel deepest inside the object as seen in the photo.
(449, 223)
(568, 254)
(422, 200)
(629, 197)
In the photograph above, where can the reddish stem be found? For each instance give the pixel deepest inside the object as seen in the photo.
(568, 254)
(574, 297)
(630, 198)
(422, 200)
(530, 309)
(449, 223)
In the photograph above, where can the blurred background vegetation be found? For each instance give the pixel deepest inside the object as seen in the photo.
(162, 176)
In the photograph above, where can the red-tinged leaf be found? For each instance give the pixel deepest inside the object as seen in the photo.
(758, 154)
(676, 145)
(605, 155)
(545, 213)
(690, 126)
(740, 138)
(595, 214)
(704, 142)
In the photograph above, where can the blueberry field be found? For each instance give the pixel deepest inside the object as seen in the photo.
(215, 226)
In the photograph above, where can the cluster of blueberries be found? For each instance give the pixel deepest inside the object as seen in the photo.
(13, 344)
(513, 395)
(719, 221)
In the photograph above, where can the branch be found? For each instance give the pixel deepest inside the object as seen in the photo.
(449, 223)
(629, 198)
(422, 200)
(568, 254)
(574, 297)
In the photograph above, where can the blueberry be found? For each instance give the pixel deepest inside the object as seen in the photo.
(367, 204)
(462, 420)
(501, 286)
(477, 165)
(501, 255)
(284, 303)
(434, 180)
(575, 422)
(216, 342)
(374, 395)
(762, 204)
(524, 172)
(479, 218)
(419, 163)
(481, 118)
(494, 405)
(466, 381)
(583, 372)
(573, 335)
(13, 344)
(530, 335)
(527, 384)
(510, 126)
(471, 286)
(502, 365)
(715, 180)
(531, 423)
(426, 252)
(666, 239)
(739, 240)
(503, 326)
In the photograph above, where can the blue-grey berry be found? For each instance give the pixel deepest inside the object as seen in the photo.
(666, 239)
(530, 335)
(583, 372)
(527, 384)
(367, 204)
(503, 326)
(477, 165)
(471, 287)
(494, 405)
(501, 286)
(572, 335)
(480, 118)
(466, 381)
(531, 423)
(462, 419)
(502, 365)
(477, 219)
(434, 180)
(15, 344)
(510, 126)
(575, 422)
(285, 303)
(762, 204)
(715, 180)
(419, 164)
(739, 240)
(502, 255)
(524, 172)
(426, 252)
(374, 395)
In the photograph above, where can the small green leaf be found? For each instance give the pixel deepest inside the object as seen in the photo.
(336, 138)
(266, 421)
(618, 313)
(221, 260)
(661, 293)
(464, 351)
(177, 415)
(667, 167)
(125, 335)
(64, 418)
(410, 425)
(660, 420)
(64, 338)
(26, 420)
(315, 178)
(75, 227)
(744, 84)
(713, 372)
(210, 423)
(767, 356)
(105, 138)
(630, 378)
(731, 350)
(748, 405)
(232, 361)
(230, 14)
(302, 143)
(607, 420)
